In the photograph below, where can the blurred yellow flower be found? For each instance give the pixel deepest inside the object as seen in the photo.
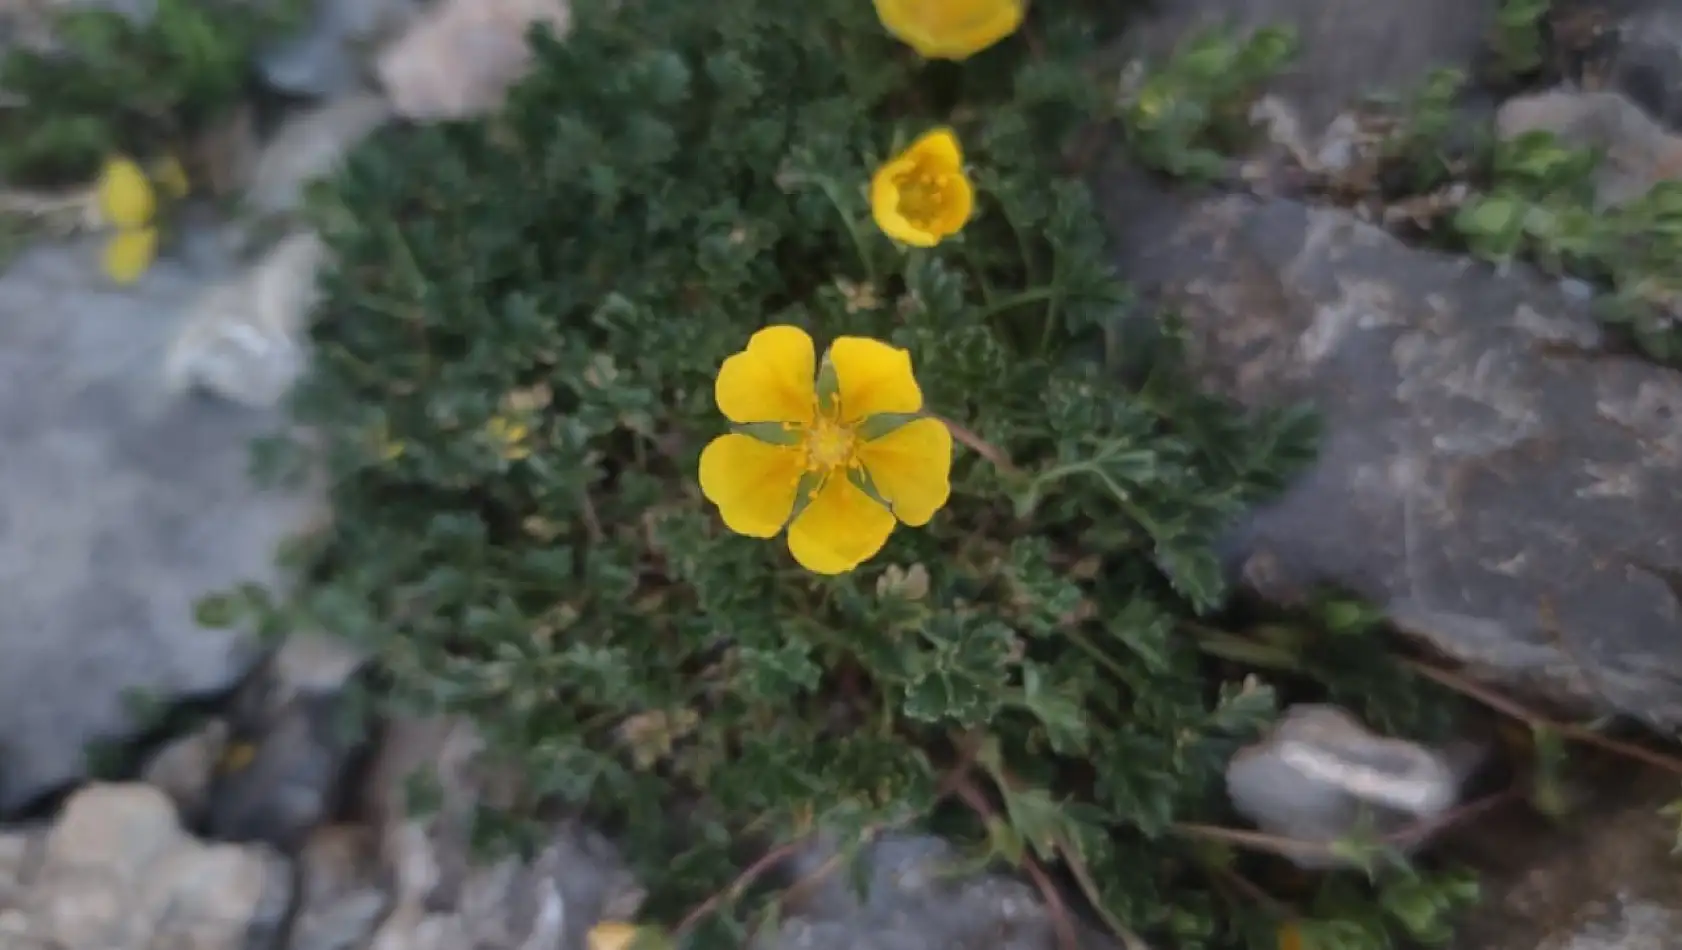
(129, 252)
(125, 195)
(611, 935)
(950, 29)
(837, 454)
(921, 196)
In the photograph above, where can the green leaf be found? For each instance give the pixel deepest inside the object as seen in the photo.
(1057, 706)
(218, 611)
(1195, 571)
(962, 675)
(778, 675)
(1038, 819)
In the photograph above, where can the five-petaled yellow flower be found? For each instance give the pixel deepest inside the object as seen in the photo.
(922, 196)
(950, 29)
(836, 454)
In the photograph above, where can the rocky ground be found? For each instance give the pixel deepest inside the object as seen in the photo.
(1495, 476)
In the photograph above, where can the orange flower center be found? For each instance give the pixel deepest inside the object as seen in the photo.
(829, 445)
(924, 194)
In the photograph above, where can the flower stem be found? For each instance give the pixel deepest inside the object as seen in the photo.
(828, 188)
(1049, 328)
(1103, 659)
(1013, 301)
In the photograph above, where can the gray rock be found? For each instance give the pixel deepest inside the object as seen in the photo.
(344, 894)
(243, 339)
(116, 872)
(1348, 50)
(1647, 63)
(185, 767)
(326, 57)
(914, 901)
(1638, 152)
(460, 59)
(1320, 776)
(551, 901)
(20, 855)
(1490, 475)
(296, 729)
(1603, 878)
(122, 505)
(446, 898)
(308, 147)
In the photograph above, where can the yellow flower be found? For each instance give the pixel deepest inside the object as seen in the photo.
(838, 456)
(921, 195)
(950, 29)
(129, 252)
(125, 195)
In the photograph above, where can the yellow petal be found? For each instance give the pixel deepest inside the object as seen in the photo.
(950, 29)
(939, 149)
(884, 207)
(773, 380)
(751, 482)
(129, 253)
(125, 196)
(841, 529)
(911, 468)
(873, 378)
(611, 935)
(884, 204)
(959, 205)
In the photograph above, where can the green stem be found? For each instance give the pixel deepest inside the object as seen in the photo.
(1228, 646)
(1016, 300)
(1050, 325)
(987, 295)
(1104, 659)
(828, 188)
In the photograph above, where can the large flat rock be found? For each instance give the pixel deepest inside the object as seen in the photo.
(1492, 474)
(120, 505)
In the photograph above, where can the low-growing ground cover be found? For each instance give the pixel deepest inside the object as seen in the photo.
(538, 323)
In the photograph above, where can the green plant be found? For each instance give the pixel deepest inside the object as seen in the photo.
(1185, 115)
(1540, 204)
(111, 84)
(1420, 140)
(515, 361)
(1518, 39)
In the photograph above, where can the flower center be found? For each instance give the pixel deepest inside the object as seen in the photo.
(829, 445)
(922, 195)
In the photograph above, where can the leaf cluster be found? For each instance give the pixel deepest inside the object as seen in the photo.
(514, 368)
(1540, 204)
(111, 83)
(1185, 115)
